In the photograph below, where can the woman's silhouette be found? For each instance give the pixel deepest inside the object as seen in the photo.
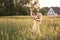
(37, 17)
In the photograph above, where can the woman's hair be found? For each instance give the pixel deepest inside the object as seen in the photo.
(35, 11)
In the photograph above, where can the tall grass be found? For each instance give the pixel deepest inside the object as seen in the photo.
(18, 28)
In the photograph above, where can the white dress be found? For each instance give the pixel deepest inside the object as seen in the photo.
(36, 26)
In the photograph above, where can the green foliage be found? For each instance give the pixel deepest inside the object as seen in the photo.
(9, 7)
(23, 9)
(6, 7)
(1, 1)
(35, 11)
(24, 2)
(17, 7)
(44, 10)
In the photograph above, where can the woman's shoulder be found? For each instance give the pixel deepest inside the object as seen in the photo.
(40, 13)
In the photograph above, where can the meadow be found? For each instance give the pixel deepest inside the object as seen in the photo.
(18, 28)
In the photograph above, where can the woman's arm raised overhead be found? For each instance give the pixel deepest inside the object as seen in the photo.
(31, 14)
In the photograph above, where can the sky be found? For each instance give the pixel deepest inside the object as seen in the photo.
(49, 3)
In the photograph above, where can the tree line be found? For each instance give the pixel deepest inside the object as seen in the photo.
(19, 7)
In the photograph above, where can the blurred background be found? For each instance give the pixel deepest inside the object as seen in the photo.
(20, 7)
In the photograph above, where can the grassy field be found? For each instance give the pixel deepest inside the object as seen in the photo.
(18, 28)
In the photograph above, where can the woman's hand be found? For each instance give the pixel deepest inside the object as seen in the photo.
(37, 19)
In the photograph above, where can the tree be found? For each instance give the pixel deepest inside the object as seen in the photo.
(44, 10)
(17, 7)
(8, 7)
(1, 3)
(23, 5)
(1, 7)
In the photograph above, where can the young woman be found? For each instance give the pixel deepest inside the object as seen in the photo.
(37, 20)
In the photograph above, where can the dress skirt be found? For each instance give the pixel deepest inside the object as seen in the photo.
(36, 26)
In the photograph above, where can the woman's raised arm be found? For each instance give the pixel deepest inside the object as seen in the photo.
(31, 14)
